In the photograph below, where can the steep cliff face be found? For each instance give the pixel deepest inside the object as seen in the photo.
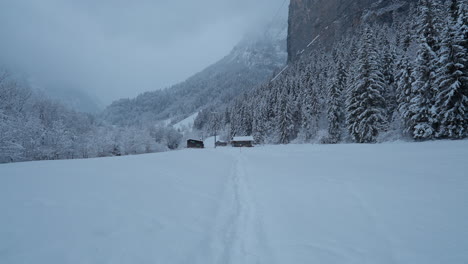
(329, 19)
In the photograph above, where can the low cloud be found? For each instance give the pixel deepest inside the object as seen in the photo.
(114, 48)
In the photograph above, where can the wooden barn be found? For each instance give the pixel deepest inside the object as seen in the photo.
(242, 142)
(221, 144)
(192, 143)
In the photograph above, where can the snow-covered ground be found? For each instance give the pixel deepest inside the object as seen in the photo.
(388, 203)
(210, 142)
(187, 123)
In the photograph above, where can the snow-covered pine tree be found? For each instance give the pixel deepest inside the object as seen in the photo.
(247, 116)
(260, 115)
(272, 101)
(306, 108)
(452, 97)
(404, 88)
(236, 118)
(296, 101)
(285, 118)
(403, 75)
(310, 108)
(388, 57)
(365, 104)
(421, 112)
(462, 27)
(335, 104)
(463, 24)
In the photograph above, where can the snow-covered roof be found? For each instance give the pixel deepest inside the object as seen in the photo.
(248, 138)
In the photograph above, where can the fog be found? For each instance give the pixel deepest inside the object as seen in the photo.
(117, 49)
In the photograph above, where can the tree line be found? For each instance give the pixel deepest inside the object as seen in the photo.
(34, 127)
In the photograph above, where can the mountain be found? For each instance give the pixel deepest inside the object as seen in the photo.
(75, 99)
(329, 20)
(255, 59)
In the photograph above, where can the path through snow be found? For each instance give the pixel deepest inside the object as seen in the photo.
(241, 230)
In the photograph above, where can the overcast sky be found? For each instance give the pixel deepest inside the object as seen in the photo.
(119, 48)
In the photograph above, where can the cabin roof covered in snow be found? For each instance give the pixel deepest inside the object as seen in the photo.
(248, 138)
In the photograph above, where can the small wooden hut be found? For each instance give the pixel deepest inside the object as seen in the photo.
(242, 142)
(192, 143)
(221, 144)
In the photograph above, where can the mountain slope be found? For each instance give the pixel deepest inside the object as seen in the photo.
(250, 63)
(388, 203)
(75, 100)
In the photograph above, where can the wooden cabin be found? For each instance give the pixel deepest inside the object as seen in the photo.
(192, 143)
(221, 144)
(242, 142)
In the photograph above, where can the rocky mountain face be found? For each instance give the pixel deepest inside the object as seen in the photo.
(326, 20)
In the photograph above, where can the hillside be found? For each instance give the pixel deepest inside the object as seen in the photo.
(390, 203)
(250, 63)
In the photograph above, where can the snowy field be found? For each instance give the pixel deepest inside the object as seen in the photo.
(344, 204)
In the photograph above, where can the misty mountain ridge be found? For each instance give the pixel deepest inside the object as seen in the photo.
(75, 99)
(251, 62)
(72, 98)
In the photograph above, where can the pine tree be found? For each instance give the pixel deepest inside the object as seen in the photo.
(421, 112)
(247, 117)
(365, 102)
(452, 98)
(296, 105)
(404, 78)
(462, 29)
(389, 78)
(285, 119)
(236, 117)
(404, 88)
(259, 121)
(306, 107)
(309, 109)
(335, 105)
